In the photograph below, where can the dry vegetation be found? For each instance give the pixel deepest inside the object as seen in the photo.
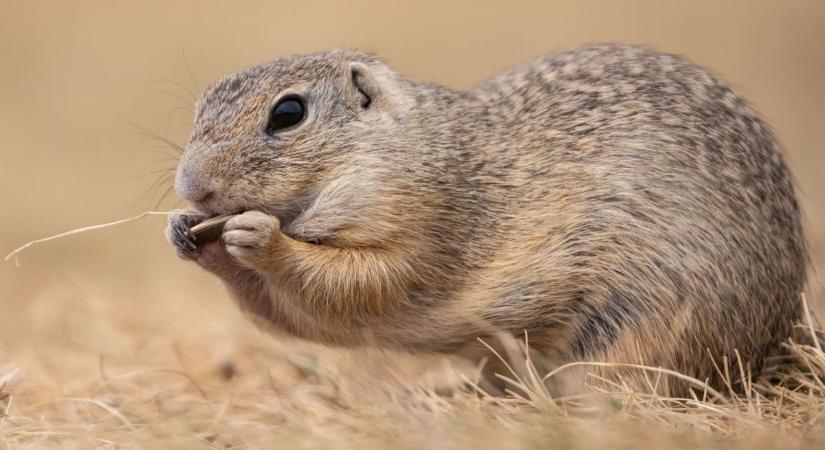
(95, 374)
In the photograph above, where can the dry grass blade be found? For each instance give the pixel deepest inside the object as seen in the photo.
(114, 412)
(7, 376)
(25, 246)
(809, 322)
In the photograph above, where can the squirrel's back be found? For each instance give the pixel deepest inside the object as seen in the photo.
(661, 194)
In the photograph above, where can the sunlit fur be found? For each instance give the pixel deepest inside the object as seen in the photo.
(613, 202)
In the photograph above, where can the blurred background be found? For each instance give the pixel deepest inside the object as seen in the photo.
(82, 83)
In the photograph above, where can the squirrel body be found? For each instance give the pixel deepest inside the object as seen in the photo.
(612, 202)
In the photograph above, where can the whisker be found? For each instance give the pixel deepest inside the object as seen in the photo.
(159, 181)
(192, 97)
(162, 160)
(163, 197)
(165, 152)
(188, 111)
(150, 134)
(187, 102)
(153, 172)
(191, 74)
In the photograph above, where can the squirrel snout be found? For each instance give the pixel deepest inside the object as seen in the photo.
(193, 186)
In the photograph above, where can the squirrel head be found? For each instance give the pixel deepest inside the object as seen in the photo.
(272, 137)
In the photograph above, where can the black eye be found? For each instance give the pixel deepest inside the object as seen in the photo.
(288, 112)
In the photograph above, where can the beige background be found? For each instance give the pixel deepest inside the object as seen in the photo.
(76, 77)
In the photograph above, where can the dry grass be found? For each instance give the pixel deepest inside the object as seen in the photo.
(92, 374)
(16, 252)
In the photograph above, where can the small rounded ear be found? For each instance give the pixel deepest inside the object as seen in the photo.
(366, 86)
(379, 90)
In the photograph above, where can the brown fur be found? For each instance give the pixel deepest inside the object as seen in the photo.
(615, 203)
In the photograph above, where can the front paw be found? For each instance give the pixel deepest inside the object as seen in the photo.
(179, 234)
(251, 238)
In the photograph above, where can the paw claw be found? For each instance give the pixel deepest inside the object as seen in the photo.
(180, 235)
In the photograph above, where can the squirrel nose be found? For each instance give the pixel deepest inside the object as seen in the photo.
(192, 186)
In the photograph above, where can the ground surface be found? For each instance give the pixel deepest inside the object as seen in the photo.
(181, 368)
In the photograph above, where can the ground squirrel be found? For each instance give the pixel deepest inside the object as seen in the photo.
(613, 202)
